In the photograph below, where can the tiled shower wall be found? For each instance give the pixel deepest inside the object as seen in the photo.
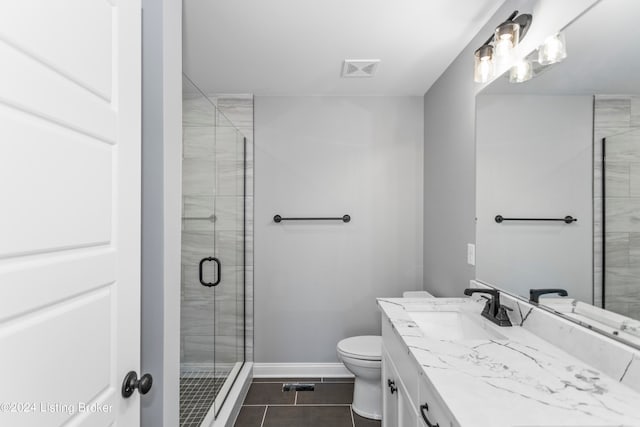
(212, 316)
(615, 117)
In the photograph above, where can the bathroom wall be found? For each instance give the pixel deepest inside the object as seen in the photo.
(616, 115)
(316, 282)
(449, 149)
(534, 158)
(161, 169)
(206, 168)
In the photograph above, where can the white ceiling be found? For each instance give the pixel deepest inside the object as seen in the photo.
(296, 47)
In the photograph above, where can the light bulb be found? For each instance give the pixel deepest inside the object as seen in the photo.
(506, 39)
(521, 72)
(483, 67)
(553, 50)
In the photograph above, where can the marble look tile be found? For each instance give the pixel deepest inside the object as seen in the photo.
(634, 311)
(198, 206)
(618, 307)
(622, 147)
(228, 350)
(198, 142)
(634, 249)
(197, 317)
(229, 178)
(622, 284)
(617, 249)
(193, 289)
(617, 179)
(603, 132)
(198, 177)
(198, 112)
(597, 178)
(199, 239)
(597, 217)
(634, 177)
(612, 112)
(229, 145)
(239, 110)
(597, 291)
(197, 245)
(198, 349)
(623, 215)
(197, 214)
(229, 213)
(228, 247)
(597, 251)
(635, 111)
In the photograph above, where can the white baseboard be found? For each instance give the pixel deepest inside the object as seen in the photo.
(300, 370)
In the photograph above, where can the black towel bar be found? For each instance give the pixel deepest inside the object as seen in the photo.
(344, 218)
(567, 219)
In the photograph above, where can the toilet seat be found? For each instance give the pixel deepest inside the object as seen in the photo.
(367, 347)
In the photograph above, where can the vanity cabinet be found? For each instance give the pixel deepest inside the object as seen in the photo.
(398, 409)
(408, 399)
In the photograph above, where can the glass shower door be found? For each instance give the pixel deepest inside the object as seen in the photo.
(213, 264)
(229, 238)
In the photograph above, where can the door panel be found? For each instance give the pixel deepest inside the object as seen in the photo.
(59, 203)
(49, 31)
(70, 223)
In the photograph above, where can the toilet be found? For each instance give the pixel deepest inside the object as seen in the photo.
(362, 356)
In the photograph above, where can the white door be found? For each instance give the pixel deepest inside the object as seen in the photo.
(69, 211)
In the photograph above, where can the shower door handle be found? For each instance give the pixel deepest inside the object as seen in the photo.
(218, 271)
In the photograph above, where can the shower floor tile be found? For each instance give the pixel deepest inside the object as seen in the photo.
(198, 391)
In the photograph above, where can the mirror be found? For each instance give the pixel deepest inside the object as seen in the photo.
(567, 143)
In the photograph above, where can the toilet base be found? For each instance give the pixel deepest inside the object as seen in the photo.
(367, 398)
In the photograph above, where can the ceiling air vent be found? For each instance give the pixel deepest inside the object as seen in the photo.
(359, 67)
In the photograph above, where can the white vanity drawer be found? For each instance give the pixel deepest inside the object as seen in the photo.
(404, 363)
(437, 413)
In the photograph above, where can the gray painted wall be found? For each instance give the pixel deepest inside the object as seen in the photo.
(161, 142)
(449, 150)
(316, 283)
(152, 211)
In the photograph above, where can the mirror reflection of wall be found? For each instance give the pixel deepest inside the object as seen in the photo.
(534, 160)
(540, 154)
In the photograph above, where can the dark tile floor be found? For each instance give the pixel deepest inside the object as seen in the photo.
(329, 405)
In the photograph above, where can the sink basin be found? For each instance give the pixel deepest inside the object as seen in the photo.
(454, 326)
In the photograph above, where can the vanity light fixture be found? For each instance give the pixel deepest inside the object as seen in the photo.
(553, 50)
(521, 71)
(499, 48)
(483, 69)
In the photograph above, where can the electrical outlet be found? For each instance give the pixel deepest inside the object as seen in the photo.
(471, 254)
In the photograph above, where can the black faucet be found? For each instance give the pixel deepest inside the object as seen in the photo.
(534, 294)
(493, 310)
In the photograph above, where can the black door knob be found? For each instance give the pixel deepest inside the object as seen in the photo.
(131, 382)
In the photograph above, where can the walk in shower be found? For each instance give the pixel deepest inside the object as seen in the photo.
(214, 256)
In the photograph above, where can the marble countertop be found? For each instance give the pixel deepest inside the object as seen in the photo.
(521, 381)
